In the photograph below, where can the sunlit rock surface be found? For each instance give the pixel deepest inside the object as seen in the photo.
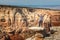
(17, 18)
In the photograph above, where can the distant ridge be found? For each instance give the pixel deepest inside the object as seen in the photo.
(14, 6)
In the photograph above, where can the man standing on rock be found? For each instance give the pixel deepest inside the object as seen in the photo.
(41, 20)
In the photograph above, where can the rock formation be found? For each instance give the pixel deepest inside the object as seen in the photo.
(15, 18)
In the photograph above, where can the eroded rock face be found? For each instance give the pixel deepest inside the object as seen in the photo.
(22, 17)
(12, 18)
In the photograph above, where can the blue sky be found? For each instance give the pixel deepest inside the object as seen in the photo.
(29, 2)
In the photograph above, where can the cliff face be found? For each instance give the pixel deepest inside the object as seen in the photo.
(16, 18)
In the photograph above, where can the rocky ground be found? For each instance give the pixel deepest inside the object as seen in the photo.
(55, 36)
(31, 35)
